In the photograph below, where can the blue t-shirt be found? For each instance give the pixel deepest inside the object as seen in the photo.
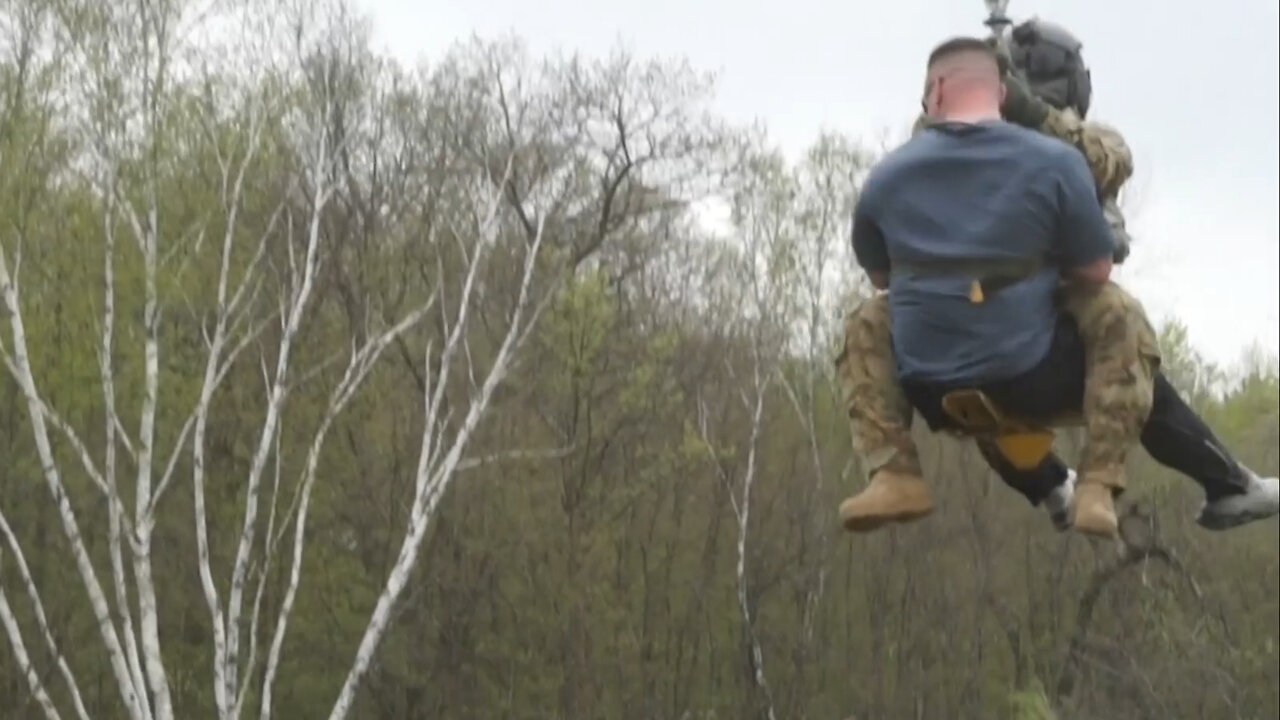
(986, 191)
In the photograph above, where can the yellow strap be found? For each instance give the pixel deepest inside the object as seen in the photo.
(975, 293)
(1025, 450)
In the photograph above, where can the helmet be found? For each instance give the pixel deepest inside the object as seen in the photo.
(1048, 56)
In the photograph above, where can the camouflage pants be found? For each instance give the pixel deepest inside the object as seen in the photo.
(1121, 357)
(879, 413)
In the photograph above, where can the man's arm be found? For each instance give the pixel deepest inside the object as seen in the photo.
(869, 247)
(1083, 244)
(1108, 155)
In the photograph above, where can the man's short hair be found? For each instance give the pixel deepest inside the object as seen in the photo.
(958, 45)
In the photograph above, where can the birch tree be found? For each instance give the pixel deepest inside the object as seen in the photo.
(237, 162)
(569, 168)
(819, 257)
(138, 116)
(761, 234)
(138, 121)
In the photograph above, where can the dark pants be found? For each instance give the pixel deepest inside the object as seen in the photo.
(1174, 435)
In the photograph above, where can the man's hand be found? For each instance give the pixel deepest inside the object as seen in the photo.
(1121, 254)
(879, 280)
(1092, 275)
(1021, 106)
(1002, 54)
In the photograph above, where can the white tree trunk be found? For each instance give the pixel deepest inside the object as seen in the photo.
(37, 606)
(362, 361)
(440, 455)
(131, 694)
(24, 660)
(131, 96)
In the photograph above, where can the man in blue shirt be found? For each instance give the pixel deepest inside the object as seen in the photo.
(972, 225)
(988, 191)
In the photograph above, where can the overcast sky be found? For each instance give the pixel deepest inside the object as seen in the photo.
(1193, 86)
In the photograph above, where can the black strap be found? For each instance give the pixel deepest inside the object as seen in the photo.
(991, 274)
(970, 267)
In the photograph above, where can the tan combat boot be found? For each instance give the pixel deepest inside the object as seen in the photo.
(890, 497)
(1095, 512)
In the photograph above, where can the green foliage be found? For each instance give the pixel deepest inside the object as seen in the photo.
(1030, 704)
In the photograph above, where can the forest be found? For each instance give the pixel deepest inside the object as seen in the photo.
(502, 387)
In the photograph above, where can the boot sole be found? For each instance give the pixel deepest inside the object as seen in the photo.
(1103, 527)
(1227, 521)
(1093, 511)
(867, 523)
(1237, 510)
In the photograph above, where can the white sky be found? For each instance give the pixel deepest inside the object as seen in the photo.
(1194, 87)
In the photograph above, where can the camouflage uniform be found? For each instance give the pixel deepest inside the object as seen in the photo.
(1121, 347)
(1109, 158)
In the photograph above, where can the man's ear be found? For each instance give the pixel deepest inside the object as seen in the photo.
(933, 96)
(1004, 90)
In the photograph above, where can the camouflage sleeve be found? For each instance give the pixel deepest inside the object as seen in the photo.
(1104, 149)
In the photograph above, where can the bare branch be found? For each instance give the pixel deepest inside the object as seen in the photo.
(494, 458)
